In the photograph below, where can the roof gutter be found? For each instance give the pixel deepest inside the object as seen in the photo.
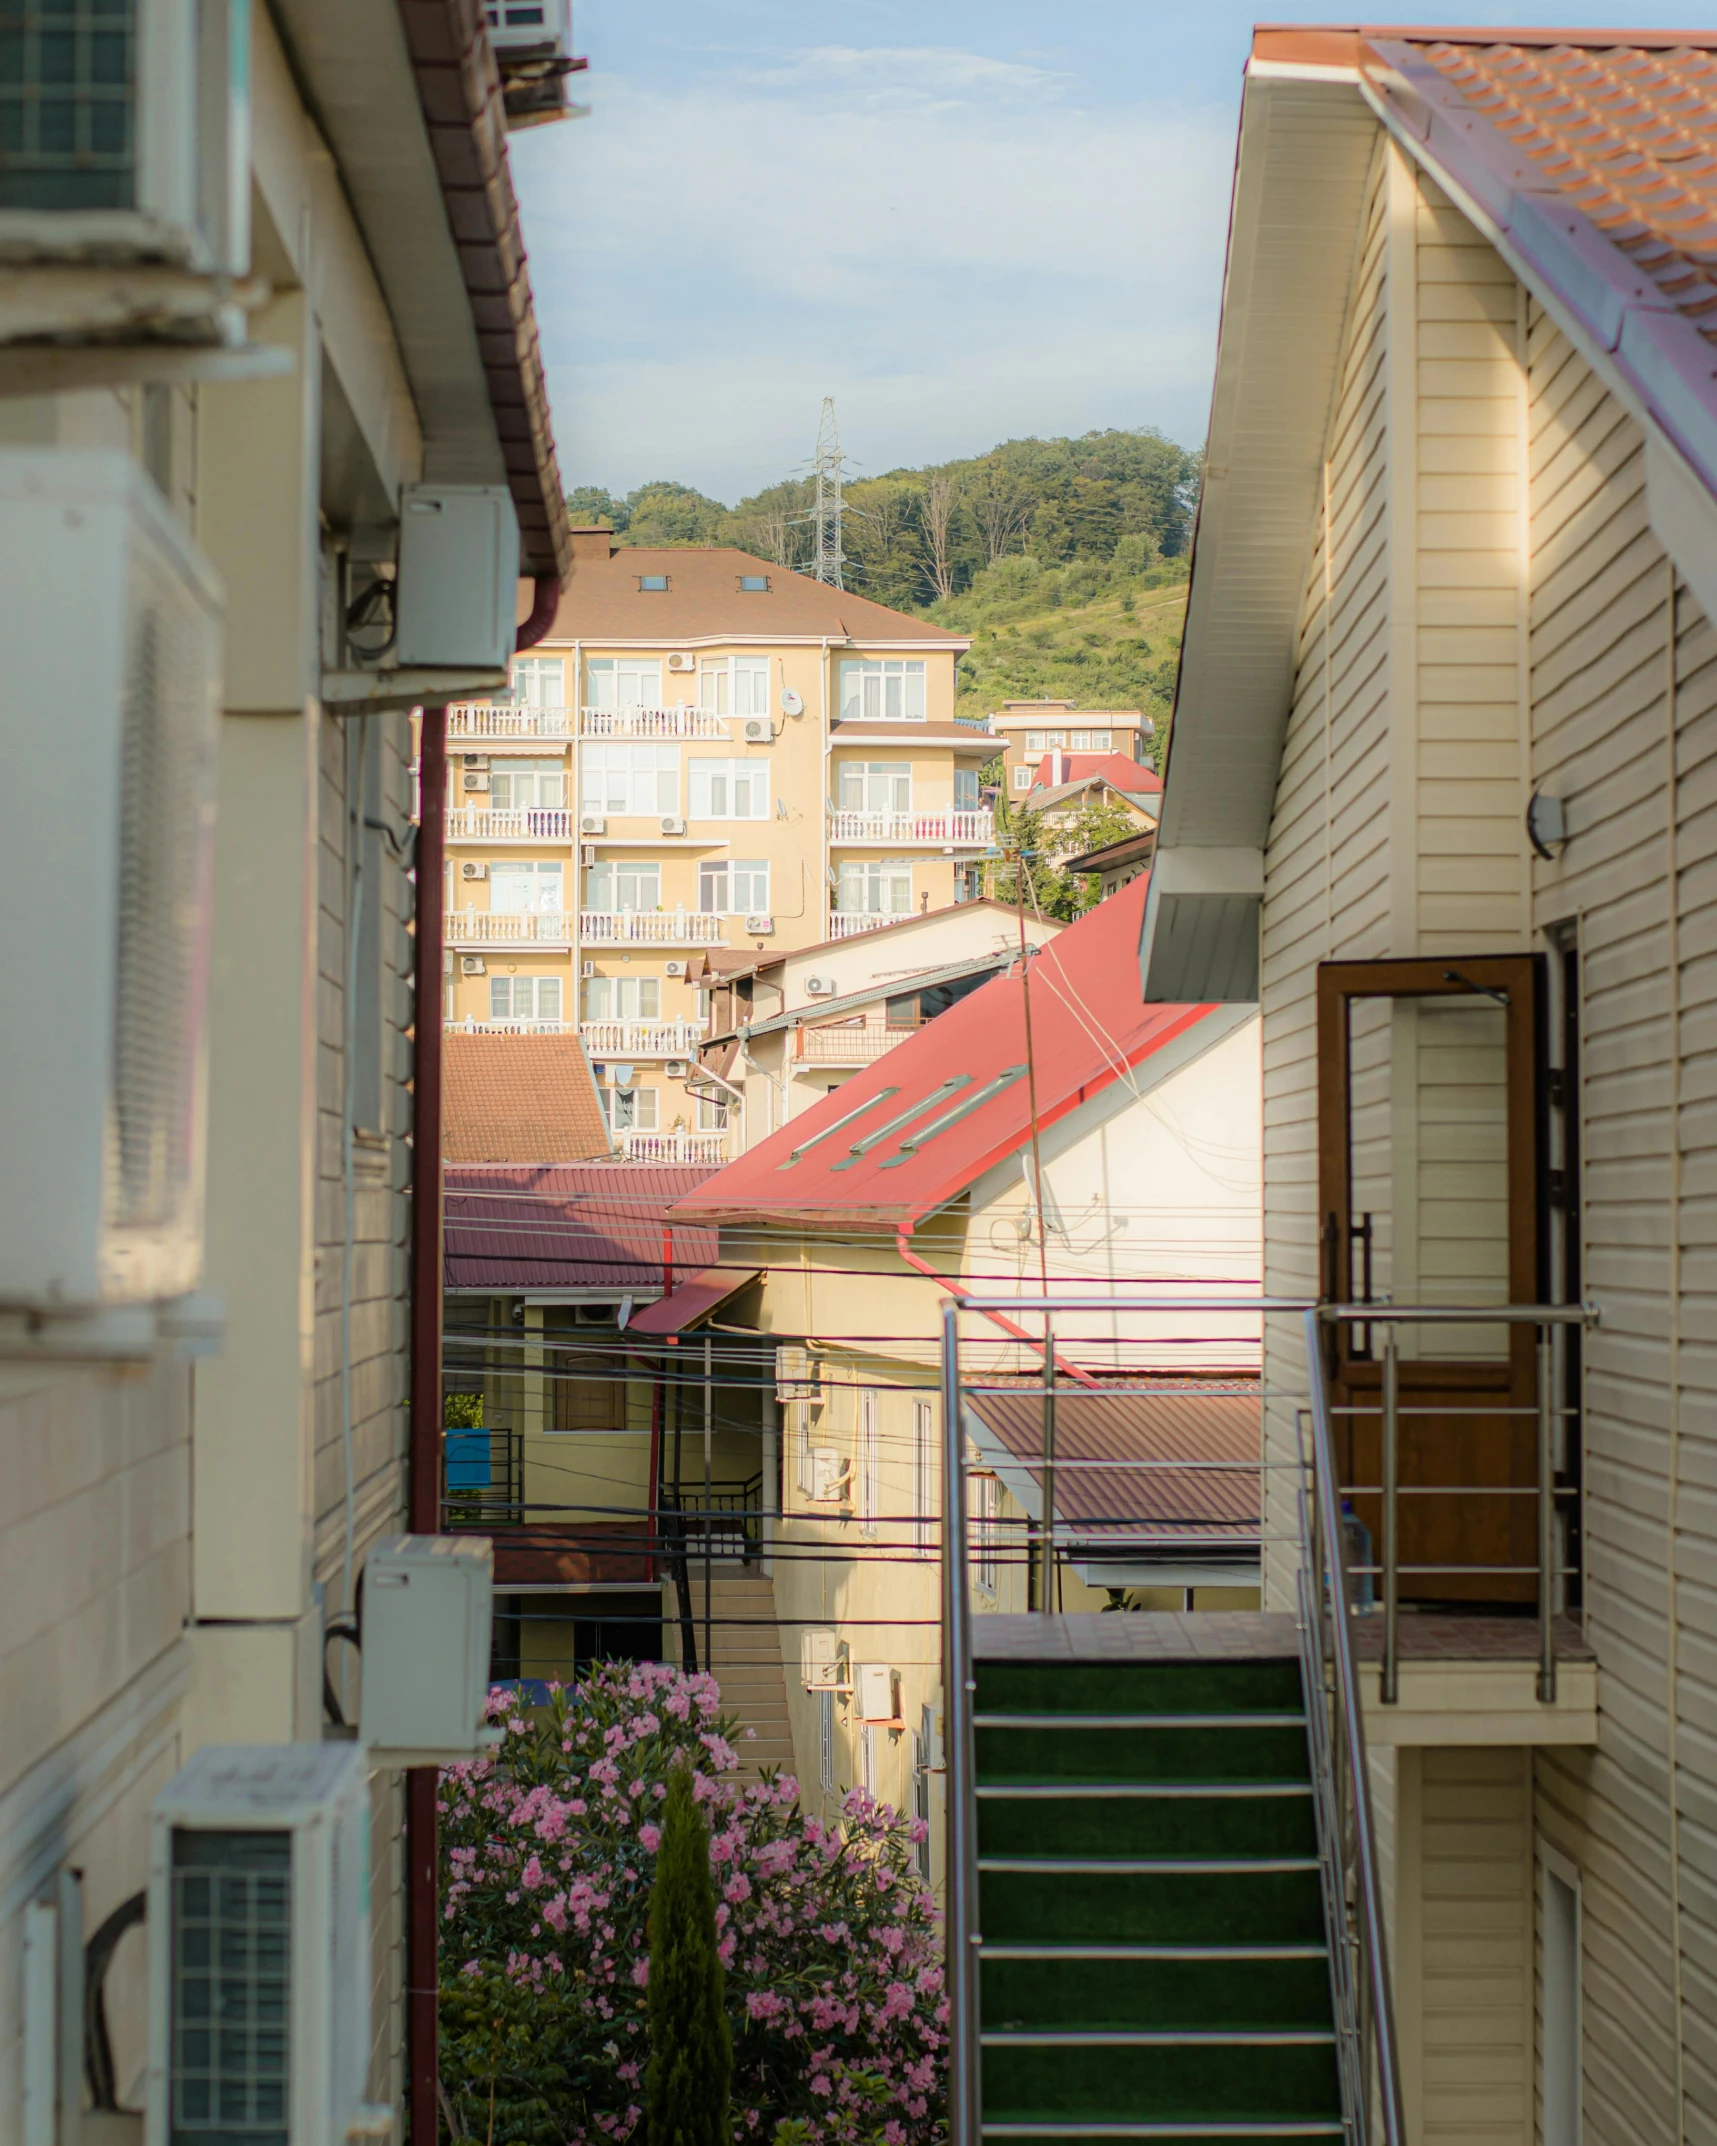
(902, 1235)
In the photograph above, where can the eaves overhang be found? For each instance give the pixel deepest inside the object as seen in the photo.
(407, 97)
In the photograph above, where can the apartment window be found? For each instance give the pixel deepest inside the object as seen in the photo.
(969, 883)
(619, 885)
(623, 682)
(923, 1491)
(729, 789)
(734, 685)
(737, 886)
(875, 786)
(629, 1110)
(623, 998)
(883, 692)
(712, 1113)
(537, 682)
(639, 780)
(880, 886)
(515, 785)
(986, 1500)
(1092, 741)
(826, 1741)
(867, 1760)
(1043, 741)
(1022, 778)
(519, 888)
(653, 584)
(868, 1463)
(967, 794)
(524, 998)
(754, 584)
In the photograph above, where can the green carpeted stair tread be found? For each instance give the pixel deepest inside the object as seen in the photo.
(1150, 1687)
(1189, 2081)
(1237, 1902)
(1255, 1988)
(1223, 1751)
(1256, 2133)
(1190, 1819)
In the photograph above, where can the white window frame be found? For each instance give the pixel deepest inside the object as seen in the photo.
(605, 996)
(882, 785)
(734, 685)
(923, 1479)
(622, 682)
(540, 883)
(1093, 741)
(636, 869)
(1022, 778)
(727, 871)
(537, 986)
(968, 781)
(986, 1495)
(749, 776)
(538, 682)
(642, 1113)
(868, 684)
(712, 1113)
(826, 1741)
(867, 1759)
(869, 1464)
(644, 778)
(874, 876)
(799, 1430)
(506, 775)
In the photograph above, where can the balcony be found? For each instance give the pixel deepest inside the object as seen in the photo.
(848, 923)
(506, 1028)
(677, 722)
(650, 927)
(642, 1039)
(522, 823)
(673, 1147)
(473, 722)
(498, 927)
(848, 1043)
(957, 830)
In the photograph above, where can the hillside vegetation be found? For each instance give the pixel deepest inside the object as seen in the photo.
(1064, 559)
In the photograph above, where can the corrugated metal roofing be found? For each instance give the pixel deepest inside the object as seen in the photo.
(905, 1135)
(693, 1299)
(1154, 1500)
(586, 1226)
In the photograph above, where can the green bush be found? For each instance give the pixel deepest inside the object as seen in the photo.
(688, 2080)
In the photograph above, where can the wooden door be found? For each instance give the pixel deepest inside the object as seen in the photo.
(1430, 1147)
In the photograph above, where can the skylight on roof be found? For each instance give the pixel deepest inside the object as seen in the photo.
(962, 1109)
(656, 582)
(828, 1132)
(754, 584)
(860, 1148)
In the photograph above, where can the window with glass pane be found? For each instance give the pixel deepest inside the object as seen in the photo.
(68, 86)
(524, 889)
(876, 786)
(712, 1114)
(619, 682)
(751, 685)
(524, 998)
(739, 887)
(882, 692)
(715, 687)
(968, 795)
(637, 780)
(630, 1109)
(623, 998)
(1092, 741)
(729, 789)
(537, 682)
(517, 784)
(623, 884)
(876, 887)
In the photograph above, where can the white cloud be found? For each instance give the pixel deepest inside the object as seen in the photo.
(947, 243)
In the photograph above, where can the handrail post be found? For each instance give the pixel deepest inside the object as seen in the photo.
(1051, 1601)
(965, 2104)
(1546, 1517)
(1390, 1684)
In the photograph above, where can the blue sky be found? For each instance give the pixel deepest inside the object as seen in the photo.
(967, 220)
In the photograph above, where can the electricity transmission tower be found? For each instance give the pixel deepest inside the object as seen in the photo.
(827, 557)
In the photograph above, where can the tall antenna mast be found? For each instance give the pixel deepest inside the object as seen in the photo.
(827, 557)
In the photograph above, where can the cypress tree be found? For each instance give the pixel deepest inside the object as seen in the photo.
(688, 2079)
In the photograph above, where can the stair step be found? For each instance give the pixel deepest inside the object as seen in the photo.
(1192, 1749)
(1159, 1686)
(1134, 1819)
(1155, 1901)
(1069, 1718)
(1164, 1990)
(1070, 1791)
(1169, 2134)
(1185, 2081)
(1153, 2037)
(1168, 1866)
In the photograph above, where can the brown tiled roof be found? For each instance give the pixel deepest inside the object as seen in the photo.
(519, 1099)
(703, 601)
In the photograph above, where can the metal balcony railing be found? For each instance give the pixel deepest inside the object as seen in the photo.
(848, 1043)
(482, 1478)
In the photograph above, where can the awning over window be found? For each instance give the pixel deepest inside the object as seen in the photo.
(692, 1300)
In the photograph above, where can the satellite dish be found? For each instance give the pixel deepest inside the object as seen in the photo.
(791, 703)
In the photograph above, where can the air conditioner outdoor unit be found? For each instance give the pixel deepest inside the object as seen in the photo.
(109, 609)
(473, 871)
(873, 1688)
(682, 663)
(760, 927)
(587, 969)
(133, 143)
(474, 780)
(830, 1473)
(672, 825)
(673, 968)
(759, 730)
(676, 1069)
(819, 986)
(592, 823)
(471, 965)
(258, 1933)
(820, 1658)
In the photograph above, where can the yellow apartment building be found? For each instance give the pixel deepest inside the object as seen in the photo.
(705, 751)
(1031, 728)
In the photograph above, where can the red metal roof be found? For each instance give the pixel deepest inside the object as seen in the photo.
(582, 1226)
(692, 1300)
(1130, 776)
(905, 1135)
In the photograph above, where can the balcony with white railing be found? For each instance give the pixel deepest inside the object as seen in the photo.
(506, 1028)
(642, 1039)
(474, 722)
(497, 927)
(848, 923)
(673, 1147)
(848, 1043)
(682, 721)
(520, 823)
(959, 830)
(650, 927)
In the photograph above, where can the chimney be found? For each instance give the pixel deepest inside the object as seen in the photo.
(590, 542)
(1056, 777)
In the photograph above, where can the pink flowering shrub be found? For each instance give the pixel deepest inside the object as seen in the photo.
(832, 1947)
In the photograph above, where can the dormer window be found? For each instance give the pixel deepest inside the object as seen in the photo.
(754, 584)
(653, 583)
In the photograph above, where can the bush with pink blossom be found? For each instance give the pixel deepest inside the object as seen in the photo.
(832, 1946)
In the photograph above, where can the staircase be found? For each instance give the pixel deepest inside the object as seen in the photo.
(1153, 1962)
(745, 1649)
